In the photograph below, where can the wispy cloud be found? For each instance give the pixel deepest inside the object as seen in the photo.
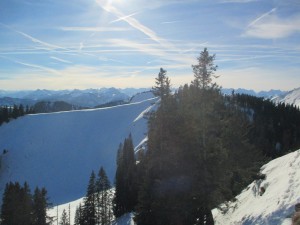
(35, 40)
(43, 68)
(270, 26)
(171, 22)
(124, 17)
(94, 29)
(60, 60)
(238, 1)
(134, 23)
(261, 17)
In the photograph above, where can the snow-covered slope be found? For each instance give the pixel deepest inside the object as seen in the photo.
(59, 150)
(276, 205)
(291, 97)
(57, 211)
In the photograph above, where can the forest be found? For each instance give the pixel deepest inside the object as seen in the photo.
(204, 148)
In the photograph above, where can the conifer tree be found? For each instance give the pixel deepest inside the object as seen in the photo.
(79, 220)
(89, 212)
(20, 207)
(40, 206)
(204, 70)
(125, 181)
(162, 88)
(104, 206)
(64, 220)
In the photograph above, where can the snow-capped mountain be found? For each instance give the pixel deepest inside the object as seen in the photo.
(83, 98)
(291, 97)
(264, 94)
(275, 205)
(60, 150)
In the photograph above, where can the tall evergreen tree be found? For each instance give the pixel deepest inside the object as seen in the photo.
(78, 219)
(40, 206)
(20, 207)
(64, 220)
(125, 180)
(27, 205)
(162, 88)
(104, 206)
(89, 211)
(204, 70)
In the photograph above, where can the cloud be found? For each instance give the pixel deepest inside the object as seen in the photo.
(269, 26)
(124, 17)
(171, 22)
(238, 1)
(133, 23)
(35, 40)
(94, 29)
(261, 17)
(60, 60)
(43, 68)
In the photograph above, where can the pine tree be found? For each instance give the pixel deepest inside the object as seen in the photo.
(104, 206)
(125, 197)
(20, 207)
(27, 204)
(89, 211)
(162, 88)
(40, 206)
(204, 70)
(64, 220)
(79, 217)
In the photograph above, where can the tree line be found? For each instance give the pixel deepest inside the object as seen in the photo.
(20, 206)
(8, 112)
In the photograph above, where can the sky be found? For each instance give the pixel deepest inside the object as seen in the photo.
(56, 44)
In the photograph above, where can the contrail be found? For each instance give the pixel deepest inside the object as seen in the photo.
(35, 40)
(261, 17)
(124, 17)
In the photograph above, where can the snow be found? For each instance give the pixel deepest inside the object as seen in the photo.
(58, 151)
(276, 205)
(57, 211)
(292, 97)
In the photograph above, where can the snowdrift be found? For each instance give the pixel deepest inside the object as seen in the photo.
(276, 204)
(59, 150)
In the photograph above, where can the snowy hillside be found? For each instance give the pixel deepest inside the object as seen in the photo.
(276, 205)
(57, 211)
(291, 97)
(59, 150)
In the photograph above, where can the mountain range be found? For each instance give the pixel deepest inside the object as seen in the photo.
(90, 98)
(81, 98)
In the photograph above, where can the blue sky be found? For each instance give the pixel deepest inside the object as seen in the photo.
(56, 44)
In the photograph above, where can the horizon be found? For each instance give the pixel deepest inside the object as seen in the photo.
(58, 45)
(137, 88)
